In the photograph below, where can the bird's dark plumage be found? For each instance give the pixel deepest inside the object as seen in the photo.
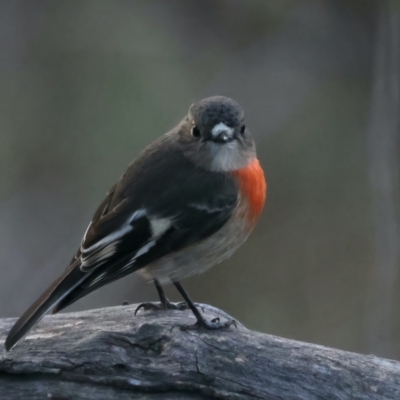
(112, 242)
(179, 208)
(190, 224)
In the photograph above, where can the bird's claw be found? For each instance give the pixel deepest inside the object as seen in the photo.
(162, 306)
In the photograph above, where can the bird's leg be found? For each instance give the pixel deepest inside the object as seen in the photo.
(164, 304)
(161, 294)
(201, 321)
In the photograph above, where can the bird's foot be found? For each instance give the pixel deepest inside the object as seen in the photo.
(214, 324)
(162, 306)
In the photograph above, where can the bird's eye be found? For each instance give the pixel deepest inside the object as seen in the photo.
(196, 132)
(242, 129)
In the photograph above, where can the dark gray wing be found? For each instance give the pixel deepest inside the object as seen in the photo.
(162, 204)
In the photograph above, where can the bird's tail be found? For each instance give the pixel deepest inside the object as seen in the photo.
(60, 288)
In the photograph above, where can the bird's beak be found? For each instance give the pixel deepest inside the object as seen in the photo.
(222, 133)
(222, 137)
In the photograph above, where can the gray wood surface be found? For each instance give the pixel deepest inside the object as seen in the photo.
(111, 354)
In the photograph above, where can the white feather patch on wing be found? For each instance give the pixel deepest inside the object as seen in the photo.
(107, 275)
(101, 255)
(125, 228)
(144, 249)
(159, 226)
(107, 246)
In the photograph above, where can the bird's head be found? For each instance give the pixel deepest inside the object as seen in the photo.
(214, 136)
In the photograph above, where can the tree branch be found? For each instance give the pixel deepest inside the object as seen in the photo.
(109, 353)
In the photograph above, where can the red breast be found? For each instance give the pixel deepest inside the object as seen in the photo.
(253, 187)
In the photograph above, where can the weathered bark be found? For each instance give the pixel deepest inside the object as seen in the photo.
(109, 353)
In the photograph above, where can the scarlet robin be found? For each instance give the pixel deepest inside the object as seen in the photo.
(187, 202)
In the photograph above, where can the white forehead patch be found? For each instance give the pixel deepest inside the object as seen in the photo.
(221, 127)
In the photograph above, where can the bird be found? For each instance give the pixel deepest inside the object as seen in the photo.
(186, 203)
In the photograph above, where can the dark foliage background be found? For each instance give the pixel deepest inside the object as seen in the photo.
(84, 85)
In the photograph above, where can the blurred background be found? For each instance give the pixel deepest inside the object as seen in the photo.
(85, 85)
